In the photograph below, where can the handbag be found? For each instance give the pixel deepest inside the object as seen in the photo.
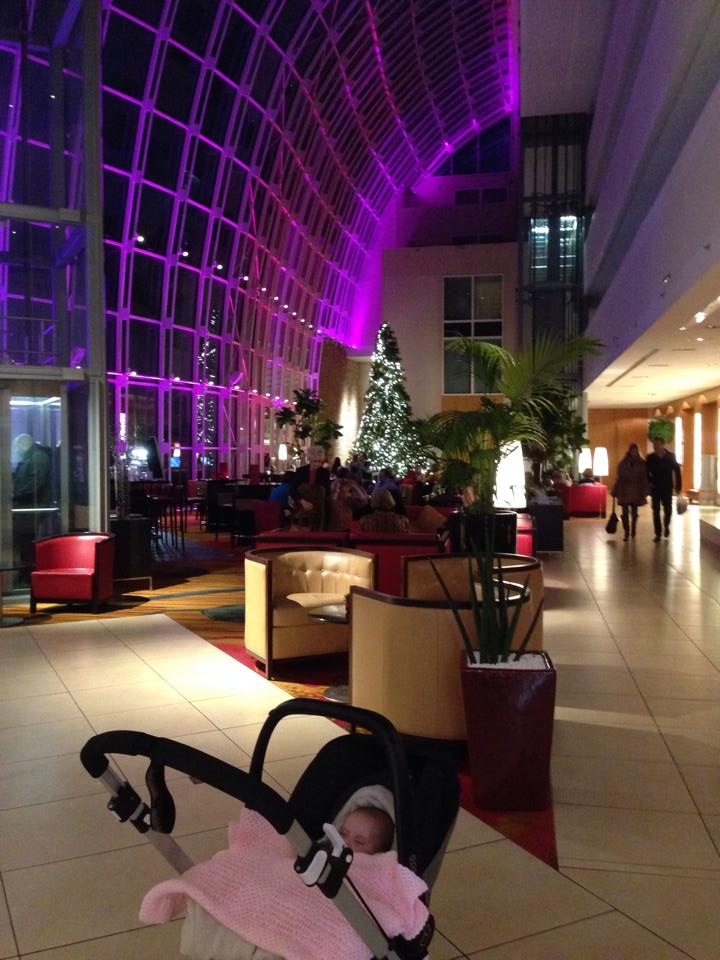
(612, 521)
(681, 504)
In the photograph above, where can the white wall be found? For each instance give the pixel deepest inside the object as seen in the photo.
(412, 303)
(653, 171)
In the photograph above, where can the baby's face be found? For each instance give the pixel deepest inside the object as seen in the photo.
(361, 833)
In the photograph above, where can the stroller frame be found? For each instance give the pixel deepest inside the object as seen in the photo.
(319, 862)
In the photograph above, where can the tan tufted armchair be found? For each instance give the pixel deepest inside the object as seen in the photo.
(278, 628)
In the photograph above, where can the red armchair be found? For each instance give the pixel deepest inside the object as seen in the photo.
(584, 499)
(74, 568)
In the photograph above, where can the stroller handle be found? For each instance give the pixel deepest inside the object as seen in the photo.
(216, 773)
(378, 725)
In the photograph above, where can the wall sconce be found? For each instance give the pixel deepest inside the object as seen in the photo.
(600, 466)
(282, 453)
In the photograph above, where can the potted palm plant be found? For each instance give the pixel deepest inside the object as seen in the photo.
(521, 390)
(508, 693)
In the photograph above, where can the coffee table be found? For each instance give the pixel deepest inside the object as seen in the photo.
(10, 621)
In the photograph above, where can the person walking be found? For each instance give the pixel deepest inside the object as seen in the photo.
(631, 488)
(663, 472)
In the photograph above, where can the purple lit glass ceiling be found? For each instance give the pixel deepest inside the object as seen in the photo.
(250, 151)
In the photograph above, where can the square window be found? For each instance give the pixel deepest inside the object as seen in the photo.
(120, 122)
(120, 71)
(143, 348)
(164, 152)
(147, 283)
(180, 77)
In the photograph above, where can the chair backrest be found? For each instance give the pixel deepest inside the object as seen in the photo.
(320, 571)
(72, 550)
(389, 550)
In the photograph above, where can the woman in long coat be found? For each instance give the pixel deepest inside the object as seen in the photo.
(631, 488)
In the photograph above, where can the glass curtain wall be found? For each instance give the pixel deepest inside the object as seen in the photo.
(52, 373)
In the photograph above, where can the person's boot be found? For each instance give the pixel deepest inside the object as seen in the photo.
(626, 531)
(633, 529)
(667, 530)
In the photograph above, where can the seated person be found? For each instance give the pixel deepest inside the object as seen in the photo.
(384, 519)
(308, 508)
(348, 501)
(281, 493)
(587, 476)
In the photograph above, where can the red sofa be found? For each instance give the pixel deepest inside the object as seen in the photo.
(74, 568)
(301, 538)
(389, 549)
(584, 499)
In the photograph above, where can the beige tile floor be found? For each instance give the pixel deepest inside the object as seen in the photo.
(634, 630)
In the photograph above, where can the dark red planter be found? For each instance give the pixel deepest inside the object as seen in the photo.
(509, 717)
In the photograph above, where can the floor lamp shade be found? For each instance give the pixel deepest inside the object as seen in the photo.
(510, 482)
(585, 459)
(600, 466)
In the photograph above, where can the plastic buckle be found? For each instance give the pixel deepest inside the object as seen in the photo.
(127, 805)
(327, 862)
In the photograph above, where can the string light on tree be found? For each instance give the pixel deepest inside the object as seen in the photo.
(387, 434)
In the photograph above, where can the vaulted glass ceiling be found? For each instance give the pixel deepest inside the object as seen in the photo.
(250, 151)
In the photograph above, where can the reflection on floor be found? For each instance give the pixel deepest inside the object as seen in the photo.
(634, 630)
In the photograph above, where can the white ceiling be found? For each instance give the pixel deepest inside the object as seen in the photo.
(562, 50)
(667, 363)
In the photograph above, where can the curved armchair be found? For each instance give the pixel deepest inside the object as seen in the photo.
(420, 583)
(74, 568)
(405, 663)
(279, 628)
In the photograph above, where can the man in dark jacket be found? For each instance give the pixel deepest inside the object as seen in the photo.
(32, 481)
(663, 474)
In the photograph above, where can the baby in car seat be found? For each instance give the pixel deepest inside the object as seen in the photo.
(367, 830)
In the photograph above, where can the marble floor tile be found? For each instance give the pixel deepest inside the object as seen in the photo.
(684, 912)
(574, 739)
(648, 838)
(609, 936)
(629, 784)
(704, 786)
(462, 892)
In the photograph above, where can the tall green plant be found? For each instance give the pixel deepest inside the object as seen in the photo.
(523, 389)
(307, 422)
(494, 626)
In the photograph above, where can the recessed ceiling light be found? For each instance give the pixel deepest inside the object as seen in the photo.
(700, 339)
(682, 328)
(699, 317)
(666, 278)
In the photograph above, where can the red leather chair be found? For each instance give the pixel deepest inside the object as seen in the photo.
(584, 499)
(74, 568)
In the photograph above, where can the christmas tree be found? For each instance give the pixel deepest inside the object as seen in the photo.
(387, 435)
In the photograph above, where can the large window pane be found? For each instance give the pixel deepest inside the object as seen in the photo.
(457, 373)
(143, 348)
(488, 298)
(457, 300)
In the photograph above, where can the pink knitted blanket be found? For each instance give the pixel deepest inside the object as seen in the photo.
(252, 889)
